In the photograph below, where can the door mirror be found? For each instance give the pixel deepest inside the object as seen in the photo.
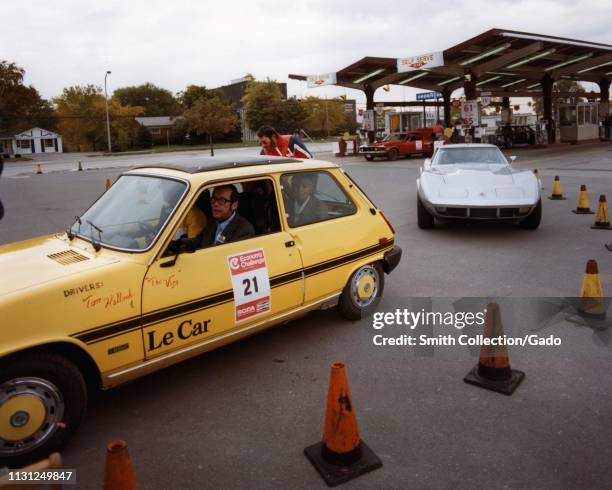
(427, 163)
(512, 158)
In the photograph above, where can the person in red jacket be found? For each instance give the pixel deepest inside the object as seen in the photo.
(281, 145)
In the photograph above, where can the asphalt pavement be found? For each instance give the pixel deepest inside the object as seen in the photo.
(241, 416)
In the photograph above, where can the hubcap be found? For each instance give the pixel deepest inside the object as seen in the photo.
(364, 286)
(30, 409)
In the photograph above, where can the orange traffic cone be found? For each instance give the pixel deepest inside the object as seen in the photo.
(602, 220)
(38, 169)
(342, 455)
(118, 472)
(493, 370)
(591, 303)
(583, 206)
(107, 184)
(557, 195)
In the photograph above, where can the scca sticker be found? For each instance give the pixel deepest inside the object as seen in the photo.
(250, 282)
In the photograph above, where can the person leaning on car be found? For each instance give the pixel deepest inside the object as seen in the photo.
(281, 145)
(227, 225)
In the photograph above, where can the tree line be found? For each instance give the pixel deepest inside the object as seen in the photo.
(200, 114)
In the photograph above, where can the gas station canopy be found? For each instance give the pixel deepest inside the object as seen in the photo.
(505, 63)
(498, 63)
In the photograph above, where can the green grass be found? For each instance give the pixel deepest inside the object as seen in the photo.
(173, 148)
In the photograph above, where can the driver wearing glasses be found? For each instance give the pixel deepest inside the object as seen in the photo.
(227, 225)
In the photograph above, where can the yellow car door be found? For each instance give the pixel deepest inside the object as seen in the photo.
(335, 234)
(219, 292)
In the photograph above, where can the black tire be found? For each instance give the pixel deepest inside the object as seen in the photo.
(52, 389)
(369, 158)
(425, 219)
(351, 305)
(392, 154)
(532, 221)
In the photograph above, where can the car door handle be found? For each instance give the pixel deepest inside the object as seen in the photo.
(290, 243)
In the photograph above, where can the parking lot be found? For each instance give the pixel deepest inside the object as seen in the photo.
(241, 416)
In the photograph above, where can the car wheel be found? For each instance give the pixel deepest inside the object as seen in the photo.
(42, 401)
(532, 221)
(393, 154)
(369, 158)
(425, 219)
(362, 292)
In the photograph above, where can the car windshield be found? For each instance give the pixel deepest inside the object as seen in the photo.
(394, 137)
(475, 155)
(131, 213)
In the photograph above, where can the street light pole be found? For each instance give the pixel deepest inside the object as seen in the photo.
(107, 116)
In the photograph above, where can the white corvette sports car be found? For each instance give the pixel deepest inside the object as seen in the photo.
(476, 182)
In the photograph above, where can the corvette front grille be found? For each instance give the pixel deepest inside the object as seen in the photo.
(480, 212)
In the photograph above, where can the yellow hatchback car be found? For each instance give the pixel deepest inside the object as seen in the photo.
(170, 262)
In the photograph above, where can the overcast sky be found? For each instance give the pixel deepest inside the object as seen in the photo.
(174, 43)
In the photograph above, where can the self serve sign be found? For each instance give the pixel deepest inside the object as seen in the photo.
(250, 282)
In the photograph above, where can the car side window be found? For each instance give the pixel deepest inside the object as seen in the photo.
(228, 213)
(311, 197)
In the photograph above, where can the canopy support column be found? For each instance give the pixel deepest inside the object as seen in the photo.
(547, 88)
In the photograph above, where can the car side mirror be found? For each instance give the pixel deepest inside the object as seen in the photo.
(512, 158)
(427, 163)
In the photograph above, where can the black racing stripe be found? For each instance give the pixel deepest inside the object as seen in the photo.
(345, 259)
(285, 278)
(110, 330)
(107, 331)
(206, 302)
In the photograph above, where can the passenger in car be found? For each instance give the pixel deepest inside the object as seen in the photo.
(227, 225)
(306, 207)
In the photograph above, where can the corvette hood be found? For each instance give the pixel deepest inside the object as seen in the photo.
(466, 176)
(41, 260)
(479, 184)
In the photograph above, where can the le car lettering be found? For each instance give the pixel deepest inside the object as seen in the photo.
(185, 330)
(83, 289)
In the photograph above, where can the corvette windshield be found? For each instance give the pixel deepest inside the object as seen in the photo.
(482, 155)
(131, 213)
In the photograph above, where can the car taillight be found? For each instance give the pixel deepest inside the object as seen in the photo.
(387, 221)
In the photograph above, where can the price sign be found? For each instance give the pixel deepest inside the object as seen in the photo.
(250, 282)
(470, 113)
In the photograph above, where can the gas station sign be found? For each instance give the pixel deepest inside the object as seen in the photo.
(320, 80)
(421, 62)
(368, 121)
(470, 113)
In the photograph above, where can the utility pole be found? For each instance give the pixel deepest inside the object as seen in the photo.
(326, 117)
(107, 116)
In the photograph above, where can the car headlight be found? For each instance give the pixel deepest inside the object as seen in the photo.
(441, 209)
(524, 210)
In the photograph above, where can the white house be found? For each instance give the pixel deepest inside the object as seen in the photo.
(35, 140)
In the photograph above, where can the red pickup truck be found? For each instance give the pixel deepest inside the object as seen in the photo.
(418, 141)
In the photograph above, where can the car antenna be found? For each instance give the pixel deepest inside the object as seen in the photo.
(69, 229)
(96, 245)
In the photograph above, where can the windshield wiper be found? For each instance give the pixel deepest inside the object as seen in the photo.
(69, 229)
(96, 245)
